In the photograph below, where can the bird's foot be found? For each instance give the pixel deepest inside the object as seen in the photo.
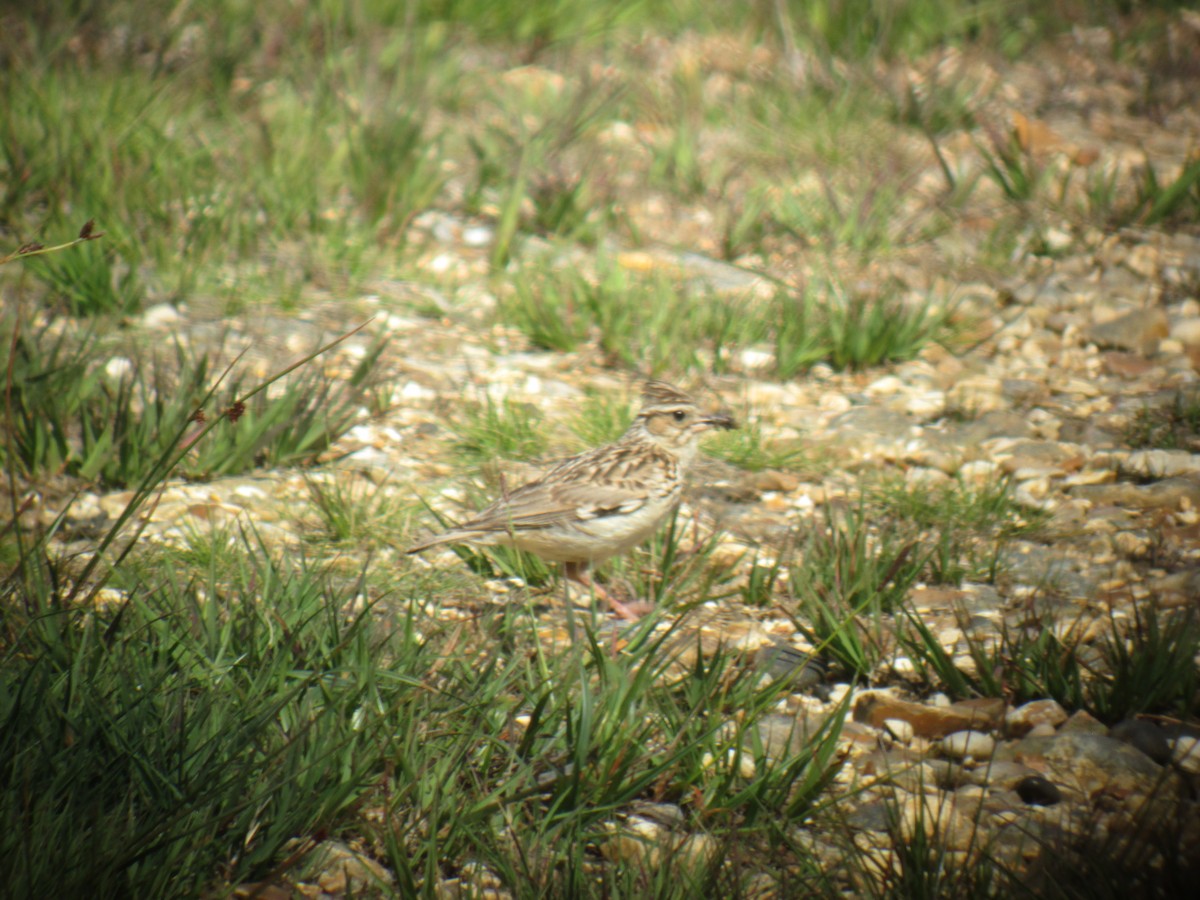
(630, 611)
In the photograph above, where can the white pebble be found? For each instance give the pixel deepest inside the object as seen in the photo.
(1185, 751)
(968, 745)
(118, 368)
(477, 236)
(414, 391)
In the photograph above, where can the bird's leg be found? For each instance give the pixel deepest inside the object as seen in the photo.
(577, 572)
(572, 634)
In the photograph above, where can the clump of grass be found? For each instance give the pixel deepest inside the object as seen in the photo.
(86, 283)
(1147, 666)
(923, 863)
(1176, 202)
(201, 168)
(393, 168)
(355, 511)
(1011, 167)
(1022, 663)
(863, 221)
(762, 582)
(309, 413)
(748, 448)
(863, 331)
(649, 324)
(178, 731)
(798, 338)
(1173, 426)
(504, 428)
(852, 576)
(600, 419)
(68, 414)
(962, 527)
(641, 323)
(847, 585)
(553, 311)
(746, 224)
(675, 567)
(213, 709)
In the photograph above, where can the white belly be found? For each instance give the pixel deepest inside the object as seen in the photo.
(594, 540)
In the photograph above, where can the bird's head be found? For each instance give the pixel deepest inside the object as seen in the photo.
(671, 418)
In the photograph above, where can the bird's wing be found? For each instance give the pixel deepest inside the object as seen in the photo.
(608, 481)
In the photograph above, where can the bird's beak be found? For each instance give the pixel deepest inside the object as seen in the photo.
(720, 420)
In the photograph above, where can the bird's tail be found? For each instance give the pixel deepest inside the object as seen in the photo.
(457, 536)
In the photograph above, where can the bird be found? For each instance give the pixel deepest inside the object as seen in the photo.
(604, 501)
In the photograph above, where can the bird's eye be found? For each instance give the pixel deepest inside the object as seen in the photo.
(679, 415)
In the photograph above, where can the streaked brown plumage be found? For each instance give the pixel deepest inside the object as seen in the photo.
(602, 502)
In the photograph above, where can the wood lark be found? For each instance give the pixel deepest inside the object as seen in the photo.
(602, 502)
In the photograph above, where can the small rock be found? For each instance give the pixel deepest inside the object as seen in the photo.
(477, 235)
(875, 708)
(1167, 494)
(948, 818)
(968, 745)
(344, 869)
(900, 729)
(1187, 332)
(782, 662)
(119, 368)
(1089, 763)
(161, 315)
(779, 736)
(876, 814)
(922, 404)
(1019, 720)
(1161, 463)
(872, 427)
(664, 813)
(1083, 722)
(1139, 331)
(1038, 791)
(1185, 752)
(697, 852)
(1146, 736)
(1126, 365)
(977, 395)
(636, 840)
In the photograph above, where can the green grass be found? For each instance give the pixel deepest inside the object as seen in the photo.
(600, 418)
(748, 448)
(236, 706)
(506, 428)
(146, 746)
(1145, 665)
(651, 324)
(849, 583)
(962, 527)
(70, 414)
(849, 580)
(183, 720)
(1174, 425)
(866, 219)
(356, 511)
(184, 171)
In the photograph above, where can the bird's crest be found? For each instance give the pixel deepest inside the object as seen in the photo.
(659, 393)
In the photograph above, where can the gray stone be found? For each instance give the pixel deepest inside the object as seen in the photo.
(1145, 736)
(1089, 762)
(1139, 330)
(1166, 494)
